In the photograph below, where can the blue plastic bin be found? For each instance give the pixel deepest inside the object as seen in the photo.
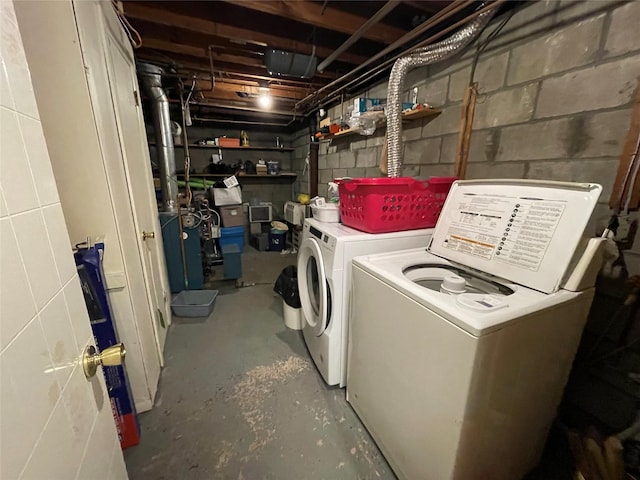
(232, 236)
(277, 241)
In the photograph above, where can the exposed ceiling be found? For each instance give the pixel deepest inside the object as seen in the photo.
(229, 39)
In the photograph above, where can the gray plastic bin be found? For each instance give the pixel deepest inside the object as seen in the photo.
(194, 303)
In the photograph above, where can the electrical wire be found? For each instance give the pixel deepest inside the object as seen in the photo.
(128, 28)
(187, 155)
(482, 46)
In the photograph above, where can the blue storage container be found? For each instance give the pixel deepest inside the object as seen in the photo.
(232, 261)
(232, 236)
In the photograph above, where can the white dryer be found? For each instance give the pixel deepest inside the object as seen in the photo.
(324, 281)
(458, 355)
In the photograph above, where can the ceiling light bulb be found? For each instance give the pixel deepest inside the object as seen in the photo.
(264, 101)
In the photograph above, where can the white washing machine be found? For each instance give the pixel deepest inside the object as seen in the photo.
(324, 281)
(458, 355)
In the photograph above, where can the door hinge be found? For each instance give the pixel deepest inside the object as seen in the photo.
(136, 98)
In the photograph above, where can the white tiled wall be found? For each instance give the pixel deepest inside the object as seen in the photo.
(54, 424)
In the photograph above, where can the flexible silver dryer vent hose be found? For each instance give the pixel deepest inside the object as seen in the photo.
(420, 57)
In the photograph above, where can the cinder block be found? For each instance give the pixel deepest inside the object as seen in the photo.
(335, 112)
(356, 172)
(567, 48)
(505, 107)
(447, 122)
(449, 66)
(533, 141)
(377, 138)
(422, 151)
(624, 34)
(361, 142)
(605, 86)
(339, 173)
(414, 78)
(449, 147)
(325, 176)
(531, 18)
(322, 162)
(410, 170)
(482, 148)
(489, 74)
(436, 170)
(347, 159)
(367, 157)
(603, 135)
(372, 172)
(579, 136)
(495, 170)
(568, 10)
(378, 91)
(602, 171)
(434, 91)
(333, 160)
(411, 131)
(549, 170)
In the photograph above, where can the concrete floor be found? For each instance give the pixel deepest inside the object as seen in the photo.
(240, 398)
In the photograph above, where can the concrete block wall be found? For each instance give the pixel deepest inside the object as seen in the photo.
(555, 101)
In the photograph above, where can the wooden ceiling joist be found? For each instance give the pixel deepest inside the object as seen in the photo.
(207, 27)
(201, 52)
(253, 90)
(186, 68)
(330, 18)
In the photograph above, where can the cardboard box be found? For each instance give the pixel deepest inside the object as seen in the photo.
(363, 104)
(261, 169)
(232, 216)
(228, 142)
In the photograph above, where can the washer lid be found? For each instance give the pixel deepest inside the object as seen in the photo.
(525, 231)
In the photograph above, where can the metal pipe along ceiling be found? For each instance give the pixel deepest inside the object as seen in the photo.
(152, 82)
(367, 76)
(420, 57)
(379, 15)
(432, 22)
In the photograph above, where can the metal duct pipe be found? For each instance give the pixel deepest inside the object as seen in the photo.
(420, 57)
(152, 82)
(379, 15)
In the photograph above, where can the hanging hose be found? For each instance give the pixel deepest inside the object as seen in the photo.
(420, 57)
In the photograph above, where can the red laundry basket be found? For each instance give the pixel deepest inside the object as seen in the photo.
(378, 205)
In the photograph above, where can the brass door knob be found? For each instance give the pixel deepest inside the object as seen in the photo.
(147, 235)
(109, 357)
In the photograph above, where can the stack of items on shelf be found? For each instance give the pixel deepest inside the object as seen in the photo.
(228, 201)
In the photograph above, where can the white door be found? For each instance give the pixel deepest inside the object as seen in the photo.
(54, 423)
(125, 96)
(313, 286)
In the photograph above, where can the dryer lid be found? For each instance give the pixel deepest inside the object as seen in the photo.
(525, 231)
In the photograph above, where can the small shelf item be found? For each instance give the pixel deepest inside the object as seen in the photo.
(407, 116)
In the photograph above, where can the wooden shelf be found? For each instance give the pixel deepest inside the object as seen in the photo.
(256, 148)
(430, 113)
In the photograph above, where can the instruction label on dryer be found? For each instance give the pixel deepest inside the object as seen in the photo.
(513, 230)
